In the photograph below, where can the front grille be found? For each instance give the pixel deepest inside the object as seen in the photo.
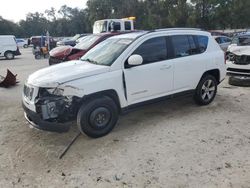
(239, 70)
(242, 60)
(28, 92)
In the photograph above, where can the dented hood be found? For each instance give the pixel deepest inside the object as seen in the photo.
(61, 51)
(239, 50)
(64, 72)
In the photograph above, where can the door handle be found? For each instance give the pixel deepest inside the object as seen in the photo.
(164, 67)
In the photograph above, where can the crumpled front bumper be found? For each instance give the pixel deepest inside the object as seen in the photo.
(237, 70)
(37, 122)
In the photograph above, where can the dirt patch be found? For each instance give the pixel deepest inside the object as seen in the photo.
(172, 144)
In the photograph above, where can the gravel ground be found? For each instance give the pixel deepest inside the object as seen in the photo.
(174, 144)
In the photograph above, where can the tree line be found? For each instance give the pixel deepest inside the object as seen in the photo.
(150, 14)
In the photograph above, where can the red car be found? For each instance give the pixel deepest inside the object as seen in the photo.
(67, 53)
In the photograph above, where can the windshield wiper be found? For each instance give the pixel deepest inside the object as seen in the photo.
(90, 61)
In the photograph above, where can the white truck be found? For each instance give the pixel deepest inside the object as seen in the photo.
(109, 25)
(123, 72)
(8, 47)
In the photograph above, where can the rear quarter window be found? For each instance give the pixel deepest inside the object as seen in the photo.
(202, 43)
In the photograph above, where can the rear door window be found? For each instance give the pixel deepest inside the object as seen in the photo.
(153, 50)
(181, 46)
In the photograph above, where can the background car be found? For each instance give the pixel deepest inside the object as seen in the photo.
(22, 43)
(223, 41)
(39, 41)
(238, 60)
(71, 41)
(67, 53)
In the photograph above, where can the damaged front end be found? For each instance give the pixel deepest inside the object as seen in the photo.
(53, 109)
(238, 59)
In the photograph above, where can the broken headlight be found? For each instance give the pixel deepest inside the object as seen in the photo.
(28, 91)
(45, 92)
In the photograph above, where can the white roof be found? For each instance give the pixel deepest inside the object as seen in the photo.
(7, 36)
(132, 35)
(173, 31)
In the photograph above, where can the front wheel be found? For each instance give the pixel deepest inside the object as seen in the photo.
(97, 117)
(38, 56)
(206, 90)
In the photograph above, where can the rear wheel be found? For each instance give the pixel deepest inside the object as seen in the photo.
(9, 55)
(46, 56)
(97, 117)
(206, 90)
(25, 45)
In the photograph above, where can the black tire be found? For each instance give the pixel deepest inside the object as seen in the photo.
(38, 56)
(206, 90)
(9, 55)
(46, 56)
(51, 61)
(243, 81)
(25, 45)
(97, 117)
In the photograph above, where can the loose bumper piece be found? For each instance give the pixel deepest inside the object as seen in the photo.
(9, 80)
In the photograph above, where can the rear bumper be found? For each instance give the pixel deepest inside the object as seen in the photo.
(37, 122)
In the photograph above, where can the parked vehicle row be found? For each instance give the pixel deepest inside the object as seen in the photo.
(121, 73)
(71, 41)
(67, 53)
(223, 41)
(23, 43)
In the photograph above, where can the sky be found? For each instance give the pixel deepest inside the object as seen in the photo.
(15, 10)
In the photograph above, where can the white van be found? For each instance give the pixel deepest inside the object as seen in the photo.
(8, 47)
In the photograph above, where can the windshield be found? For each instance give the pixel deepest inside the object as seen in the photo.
(241, 40)
(100, 26)
(107, 51)
(87, 41)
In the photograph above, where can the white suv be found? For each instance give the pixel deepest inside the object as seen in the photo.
(121, 73)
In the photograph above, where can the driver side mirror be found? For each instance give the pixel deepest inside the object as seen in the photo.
(135, 60)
